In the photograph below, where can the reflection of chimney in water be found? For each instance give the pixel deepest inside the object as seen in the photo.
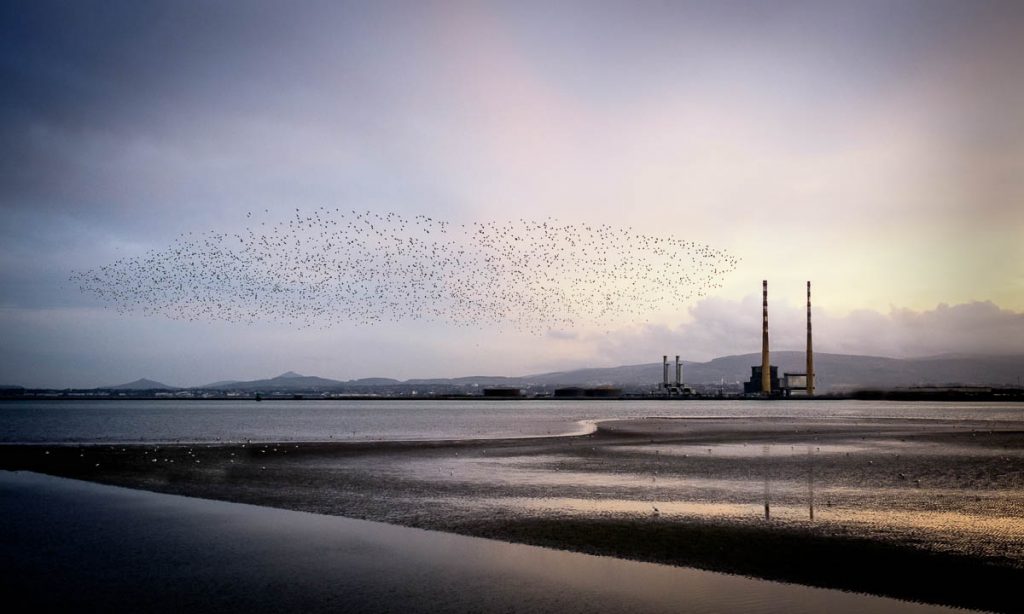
(766, 381)
(810, 348)
(679, 372)
(810, 482)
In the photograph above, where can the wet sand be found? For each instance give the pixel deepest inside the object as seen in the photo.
(916, 509)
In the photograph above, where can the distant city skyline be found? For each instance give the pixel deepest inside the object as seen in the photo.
(872, 147)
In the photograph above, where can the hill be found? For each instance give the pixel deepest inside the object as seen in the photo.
(835, 373)
(141, 384)
(286, 382)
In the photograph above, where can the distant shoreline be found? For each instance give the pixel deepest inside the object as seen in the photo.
(992, 396)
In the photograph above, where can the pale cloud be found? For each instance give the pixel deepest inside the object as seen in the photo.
(719, 327)
(92, 347)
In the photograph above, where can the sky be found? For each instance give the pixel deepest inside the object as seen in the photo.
(875, 148)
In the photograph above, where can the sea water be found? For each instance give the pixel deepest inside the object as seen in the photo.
(104, 421)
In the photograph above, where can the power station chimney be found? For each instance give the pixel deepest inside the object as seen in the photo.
(810, 348)
(664, 371)
(679, 372)
(766, 379)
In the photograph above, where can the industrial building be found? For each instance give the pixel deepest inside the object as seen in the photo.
(764, 378)
(676, 389)
(600, 392)
(503, 393)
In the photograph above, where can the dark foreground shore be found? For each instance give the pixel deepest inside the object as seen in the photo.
(915, 509)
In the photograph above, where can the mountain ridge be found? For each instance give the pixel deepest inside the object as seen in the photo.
(142, 384)
(836, 372)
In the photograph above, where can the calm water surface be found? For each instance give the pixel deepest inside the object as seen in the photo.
(210, 421)
(124, 550)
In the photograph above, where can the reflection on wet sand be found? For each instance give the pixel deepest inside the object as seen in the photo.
(952, 523)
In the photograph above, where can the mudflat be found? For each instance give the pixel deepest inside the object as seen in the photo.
(928, 510)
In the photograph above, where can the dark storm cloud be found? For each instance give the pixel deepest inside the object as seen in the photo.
(103, 64)
(75, 73)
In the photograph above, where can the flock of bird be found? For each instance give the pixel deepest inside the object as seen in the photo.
(327, 266)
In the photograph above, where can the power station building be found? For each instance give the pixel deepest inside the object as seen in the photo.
(764, 378)
(676, 389)
(754, 384)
